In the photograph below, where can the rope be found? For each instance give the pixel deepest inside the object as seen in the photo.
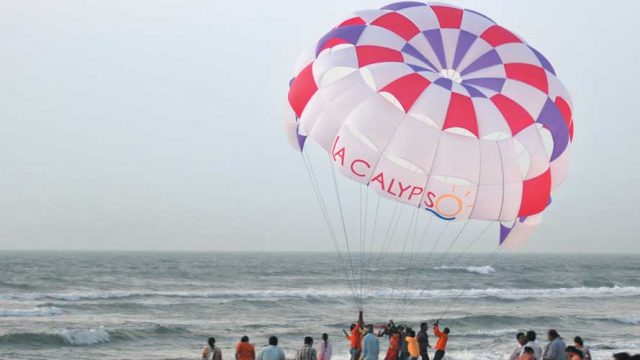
(325, 214)
(455, 299)
(344, 227)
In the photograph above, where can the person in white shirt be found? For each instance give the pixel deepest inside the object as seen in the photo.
(521, 338)
(325, 349)
(532, 343)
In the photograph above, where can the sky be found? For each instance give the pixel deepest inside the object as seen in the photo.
(157, 125)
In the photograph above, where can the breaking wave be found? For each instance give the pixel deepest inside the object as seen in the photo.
(86, 337)
(499, 293)
(484, 270)
(34, 312)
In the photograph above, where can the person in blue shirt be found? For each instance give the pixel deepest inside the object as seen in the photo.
(272, 351)
(370, 345)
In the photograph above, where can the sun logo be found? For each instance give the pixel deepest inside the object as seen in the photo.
(449, 205)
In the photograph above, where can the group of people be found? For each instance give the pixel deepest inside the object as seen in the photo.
(404, 342)
(246, 351)
(528, 348)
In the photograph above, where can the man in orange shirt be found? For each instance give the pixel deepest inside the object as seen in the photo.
(356, 337)
(441, 345)
(244, 350)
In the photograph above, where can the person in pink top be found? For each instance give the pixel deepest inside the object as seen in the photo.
(325, 349)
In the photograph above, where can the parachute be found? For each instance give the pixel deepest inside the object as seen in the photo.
(431, 108)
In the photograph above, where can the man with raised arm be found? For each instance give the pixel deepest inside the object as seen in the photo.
(357, 329)
(441, 344)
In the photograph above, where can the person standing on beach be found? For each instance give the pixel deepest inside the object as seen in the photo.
(555, 350)
(532, 343)
(307, 352)
(521, 339)
(412, 345)
(370, 345)
(211, 352)
(527, 354)
(355, 337)
(404, 350)
(573, 353)
(441, 344)
(423, 341)
(394, 344)
(579, 344)
(325, 349)
(272, 351)
(244, 350)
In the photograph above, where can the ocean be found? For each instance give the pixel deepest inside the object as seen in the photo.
(139, 305)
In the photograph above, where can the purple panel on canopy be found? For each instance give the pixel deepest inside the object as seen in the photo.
(435, 40)
(402, 5)
(464, 43)
(552, 119)
(494, 84)
(444, 82)
(301, 138)
(417, 68)
(490, 58)
(543, 60)
(350, 34)
(473, 91)
(504, 232)
(410, 50)
(291, 81)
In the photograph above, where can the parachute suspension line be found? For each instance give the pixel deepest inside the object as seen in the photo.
(359, 282)
(325, 214)
(401, 270)
(493, 257)
(475, 239)
(426, 262)
(364, 240)
(455, 239)
(459, 256)
(412, 274)
(455, 261)
(393, 224)
(367, 275)
(403, 289)
(344, 227)
(363, 236)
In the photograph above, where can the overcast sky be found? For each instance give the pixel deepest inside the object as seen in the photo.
(156, 125)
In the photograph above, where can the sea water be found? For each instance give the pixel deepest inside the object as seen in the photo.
(83, 305)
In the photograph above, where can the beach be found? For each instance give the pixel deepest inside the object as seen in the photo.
(82, 305)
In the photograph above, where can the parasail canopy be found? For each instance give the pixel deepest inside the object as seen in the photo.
(438, 108)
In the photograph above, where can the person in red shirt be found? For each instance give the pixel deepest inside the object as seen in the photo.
(244, 350)
(394, 345)
(356, 337)
(441, 345)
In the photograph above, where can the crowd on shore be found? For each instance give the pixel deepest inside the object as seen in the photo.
(406, 344)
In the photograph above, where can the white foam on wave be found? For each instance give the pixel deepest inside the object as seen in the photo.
(33, 312)
(629, 319)
(486, 332)
(500, 293)
(81, 337)
(484, 270)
